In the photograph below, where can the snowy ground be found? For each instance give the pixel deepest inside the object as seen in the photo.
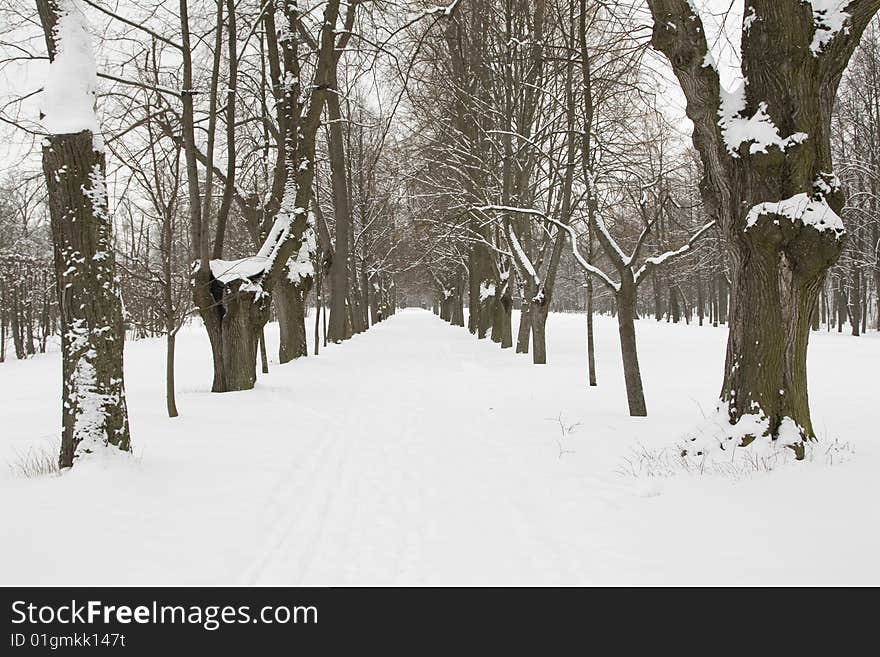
(415, 454)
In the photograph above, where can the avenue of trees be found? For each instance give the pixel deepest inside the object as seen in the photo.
(321, 163)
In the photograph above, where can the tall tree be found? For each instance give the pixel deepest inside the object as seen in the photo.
(768, 181)
(94, 412)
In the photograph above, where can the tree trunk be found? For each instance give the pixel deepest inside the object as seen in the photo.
(264, 359)
(375, 300)
(474, 277)
(319, 304)
(877, 296)
(356, 308)
(15, 324)
(700, 300)
(170, 401)
(524, 332)
(855, 298)
(484, 311)
(240, 327)
(778, 259)
(502, 329)
(674, 308)
(458, 301)
(658, 296)
(29, 324)
(722, 298)
(445, 306)
(538, 316)
(94, 412)
(591, 347)
(626, 307)
(290, 306)
(234, 320)
(771, 315)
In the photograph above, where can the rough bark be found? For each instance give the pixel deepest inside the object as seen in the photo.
(243, 317)
(94, 411)
(777, 264)
(289, 300)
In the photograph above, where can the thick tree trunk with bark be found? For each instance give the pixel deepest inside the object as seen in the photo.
(94, 412)
(776, 202)
(243, 316)
(538, 316)
(234, 320)
(289, 300)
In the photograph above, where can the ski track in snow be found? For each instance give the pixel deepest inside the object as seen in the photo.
(415, 454)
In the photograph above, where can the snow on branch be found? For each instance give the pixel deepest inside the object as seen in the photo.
(605, 236)
(829, 19)
(802, 208)
(245, 269)
(522, 257)
(443, 11)
(571, 233)
(656, 261)
(515, 244)
(582, 261)
(757, 130)
(252, 269)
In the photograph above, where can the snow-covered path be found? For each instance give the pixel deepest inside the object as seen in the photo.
(415, 454)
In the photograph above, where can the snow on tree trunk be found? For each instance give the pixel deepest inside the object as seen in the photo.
(94, 413)
(769, 182)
